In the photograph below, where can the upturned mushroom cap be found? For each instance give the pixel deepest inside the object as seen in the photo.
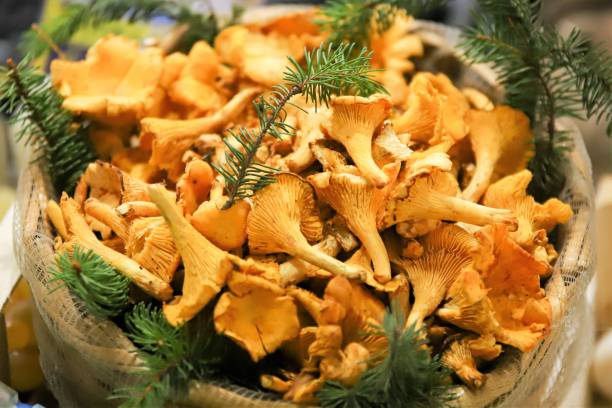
(114, 84)
(432, 196)
(359, 203)
(149, 242)
(81, 235)
(256, 314)
(353, 122)
(447, 251)
(171, 138)
(459, 359)
(534, 219)
(206, 266)
(284, 218)
(227, 229)
(513, 281)
(501, 141)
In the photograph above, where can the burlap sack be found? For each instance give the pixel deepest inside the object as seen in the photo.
(84, 358)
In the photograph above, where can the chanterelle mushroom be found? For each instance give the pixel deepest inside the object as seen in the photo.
(353, 122)
(447, 251)
(206, 266)
(458, 358)
(256, 314)
(115, 83)
(501, 140)
(309, 123)
(171, 138)
(432, 196)
(359, 203)
(284, 218)
(81, 235)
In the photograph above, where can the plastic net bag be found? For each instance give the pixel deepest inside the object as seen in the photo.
(84, 358)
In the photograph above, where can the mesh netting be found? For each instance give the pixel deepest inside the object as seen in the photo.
(84, 358)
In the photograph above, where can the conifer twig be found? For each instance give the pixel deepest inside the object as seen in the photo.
(326, 72)
(42, 34)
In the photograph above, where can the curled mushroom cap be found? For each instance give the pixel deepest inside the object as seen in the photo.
(458, 358)
(81, 235)
(171, 138)
(256, 314)
(388, 148)
(194, 186)
(501, 141)
(353, 122)
(206, 266)
(114, 84)
(149, 242)
(534, 219)
(359, 203)
(432, 197)
(447, 251)
(513, 281)
(227, 229)
(284, 218)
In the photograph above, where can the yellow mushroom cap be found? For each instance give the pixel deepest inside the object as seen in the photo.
(256, 314)
(353, 122)
(458, 358)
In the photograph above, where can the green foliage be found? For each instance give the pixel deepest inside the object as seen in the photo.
(326, 72)
(51, 130)
(76, 15)
(352, 21)
(545, 75)
(101, 288)
(171, 356)
(407, 377)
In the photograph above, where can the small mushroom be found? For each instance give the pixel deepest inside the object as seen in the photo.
(432, 196)
(81, 235)
(484, 347)
(106, 214)
(171, 138)
(206, 266)
(501, 141)
(257, 314)
(359, 203)
(135, 209)
(54, 212)
(149, 242)
(194, 186)
(447, 250)
(284, 218)
(347, 365)
(353, 122)
(388, 148)
(459, 359)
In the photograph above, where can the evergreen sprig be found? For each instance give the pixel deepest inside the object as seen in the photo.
(171, 356)
(51, 130)
(327, 71)
(77, 15)
(353, 21)
(545, 75)
(407, 377)
(101, 288)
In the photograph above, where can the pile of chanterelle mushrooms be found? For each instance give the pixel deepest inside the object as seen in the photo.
(417, 197)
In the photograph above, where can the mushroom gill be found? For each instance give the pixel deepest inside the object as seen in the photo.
(446, 252)
(353, 122)
(359, 203)
(459, 359)
(206, 266)
(284, 218)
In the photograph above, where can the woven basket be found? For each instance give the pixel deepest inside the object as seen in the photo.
(84, 358)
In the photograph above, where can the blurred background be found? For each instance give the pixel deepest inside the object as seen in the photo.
(594, 17)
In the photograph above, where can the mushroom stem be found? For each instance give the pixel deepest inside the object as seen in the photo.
(106, 215)
(480, 180)
(450, 208)
(330, 264)
(54, 212)
(375, 247)
(362, 156)
(83, 236)
(133, 209)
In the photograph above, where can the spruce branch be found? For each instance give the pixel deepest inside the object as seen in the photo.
(101, 288)
(51, 130)
(545, 75)
(353, 21)
(327, 71)
(171, 356)
(407, 377)
(77, 15)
